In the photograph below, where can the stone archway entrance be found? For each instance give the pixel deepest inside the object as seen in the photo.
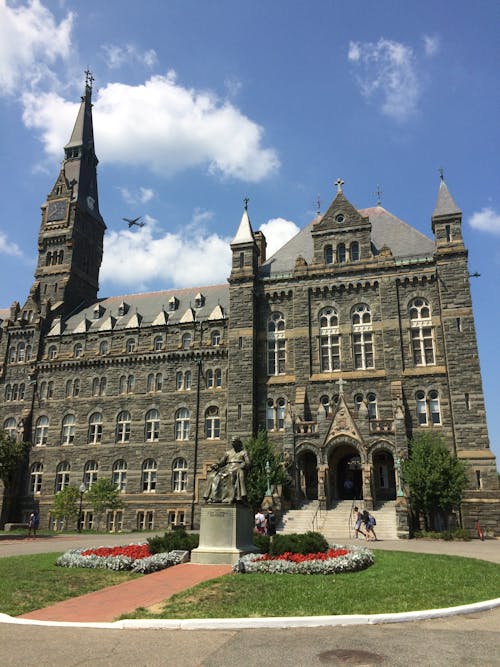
(307, 464)
(345, 476)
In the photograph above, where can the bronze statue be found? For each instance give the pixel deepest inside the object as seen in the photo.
(226, 478)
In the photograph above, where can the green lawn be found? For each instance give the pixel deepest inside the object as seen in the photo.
(33, 582)
(397, 582)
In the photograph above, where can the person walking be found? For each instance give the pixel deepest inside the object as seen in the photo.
(358, 520)
(270, 522)
(369, 521)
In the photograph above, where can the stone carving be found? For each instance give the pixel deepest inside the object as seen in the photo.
(226, 480)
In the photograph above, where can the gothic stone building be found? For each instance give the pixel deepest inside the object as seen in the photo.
(356, 335)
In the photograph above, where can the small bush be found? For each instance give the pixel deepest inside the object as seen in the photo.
(447, 535)
(173, 540)
(296, 543)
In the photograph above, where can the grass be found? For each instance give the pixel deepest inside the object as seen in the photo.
(32, 582)
(397, 582)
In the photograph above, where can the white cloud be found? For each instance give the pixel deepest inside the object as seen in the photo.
(140, 196)
(387, 74)
(146, 194)
(30, 42)
(160, 126)
(145, 259)
(9, 248)
(277, 232)
(431, 45)
(116, 56)
(486, 220)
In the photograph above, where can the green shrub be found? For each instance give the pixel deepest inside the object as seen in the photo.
(297, 543)
(172, 540)
(447, 535)
(262, 542)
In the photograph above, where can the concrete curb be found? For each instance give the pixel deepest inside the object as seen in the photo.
(272, 622)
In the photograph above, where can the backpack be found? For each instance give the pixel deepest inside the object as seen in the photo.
(373, 520)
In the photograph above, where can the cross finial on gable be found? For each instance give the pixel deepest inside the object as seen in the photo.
(318, 205)
(245, 201)
(379, 194)
(341, 384)
(441, 173)
(339, 183)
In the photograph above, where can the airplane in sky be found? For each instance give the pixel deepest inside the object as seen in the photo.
(134, 221)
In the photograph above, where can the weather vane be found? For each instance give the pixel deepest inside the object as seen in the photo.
(89, 79)
(441, 173)
(378, 192)
(318, 205)
(246, 200)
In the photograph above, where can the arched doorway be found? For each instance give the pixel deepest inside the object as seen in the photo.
(384, 478)
(308, 475)
(345, 473)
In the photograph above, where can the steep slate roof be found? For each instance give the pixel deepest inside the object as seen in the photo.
(144, 309)
(445, 204)
(387, 229)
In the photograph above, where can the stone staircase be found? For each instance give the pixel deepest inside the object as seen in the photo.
(335, 523)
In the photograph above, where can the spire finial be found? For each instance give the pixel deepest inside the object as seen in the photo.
(89, 79)
(378, 192)
(318, 205)
(339, 183)
(245, 201)
(441, 173)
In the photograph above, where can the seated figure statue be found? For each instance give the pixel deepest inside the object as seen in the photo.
(226, 478)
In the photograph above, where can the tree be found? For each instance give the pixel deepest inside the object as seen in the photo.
(66, 506)
(103, 495)
(261, 451)
(436, 479)
(12, 455)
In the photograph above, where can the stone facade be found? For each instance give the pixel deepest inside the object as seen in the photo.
(357, 334)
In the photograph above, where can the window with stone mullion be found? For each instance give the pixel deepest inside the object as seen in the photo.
(330, 352)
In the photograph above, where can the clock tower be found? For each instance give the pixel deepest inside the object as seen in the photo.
(71, 235)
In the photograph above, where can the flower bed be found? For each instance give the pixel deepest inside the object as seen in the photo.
(336, 560)
(135, 557)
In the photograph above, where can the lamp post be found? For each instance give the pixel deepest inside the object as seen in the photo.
(268, 474)
(82, 490)
(199, 364)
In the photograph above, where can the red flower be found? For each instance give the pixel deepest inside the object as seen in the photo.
(301, 558)
(134, 551)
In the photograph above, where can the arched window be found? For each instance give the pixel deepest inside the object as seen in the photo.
(209, 378)
(358, 401)
(119, 476)
(123, 427)
(182, 424)
(329, 340)
(68, 430)
(275, 414)
(122, 388)
(12, 354)
(186, 341)
(158, 382)
(325, 403)
(131, 345)
(62, 476)
(179, 380)
(362, 336)
(428, 408)
(371, 404)
(212, 423)
(15, 392)
(150, 382)
(95, 428)
(21, 349)
(152, 427)
(28, 350)
(50, 389)
(341, 253)
(215, 338)
(78, 350)
(52, 353)
(354, 251)
(276, 344)
(95, 387)
(280, 413)
(21, 391)
(270, 414)
(328, 253)
(187, 380)
(179, 475)
(102, 386)
(421, 408)
(48, 259)
(41, 430)
(218, 377)
(130, 384)
(434, 409)
(149, 468)
(36, 473)
(8, 393)
(103, 348)
(10, 427)
(158, 343)
(90, 471)
(422, 333)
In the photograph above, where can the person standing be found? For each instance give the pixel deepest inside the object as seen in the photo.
(33, 523)
(358, 520)
(260, 522)
(270, 522)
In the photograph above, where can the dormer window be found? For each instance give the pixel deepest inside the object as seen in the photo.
(173, 303)
(123, 309)
(199, 300)
(97, 312)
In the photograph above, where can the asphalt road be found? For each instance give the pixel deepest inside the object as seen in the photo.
(469, 640)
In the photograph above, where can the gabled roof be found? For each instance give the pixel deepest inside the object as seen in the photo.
(445, 205)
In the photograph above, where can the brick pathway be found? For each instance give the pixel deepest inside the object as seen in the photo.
(109, 603)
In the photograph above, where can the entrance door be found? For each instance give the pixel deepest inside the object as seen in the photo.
(308, 468)
(384, 477)
(349, 477)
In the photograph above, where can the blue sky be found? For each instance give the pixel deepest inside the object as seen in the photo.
(198, 104)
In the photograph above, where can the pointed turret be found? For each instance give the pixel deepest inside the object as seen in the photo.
(245, 249)
(445, 204)
(446, 219)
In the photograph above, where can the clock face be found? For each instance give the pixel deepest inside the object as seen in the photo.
(56, 210)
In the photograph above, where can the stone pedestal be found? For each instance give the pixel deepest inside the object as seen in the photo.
(226, 534)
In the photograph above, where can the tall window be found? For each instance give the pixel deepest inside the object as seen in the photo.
(182, 424)
(354, 251)
(90, 473)
(218, 377)
(158, 382)
(362, 336)
(186, 341)
(36, 473)
(10, 427)
(371, 404)
(187, 379)
(123, 427)
(78, 350)
(275, 414)
(149, 468)
(329, 339)
(215, 338)
(68, 430)
(103, 348)
(276, 344)
(158, 343)
(212, 423)
(428, 408)
(52, 353)
(179, 380)
(179, 475)
(422, 333)
(328, 253)
(95, 428)
(41, 430)
(131, 345)
(341, 253)
(119, 476)
(152, 430)
(62, 476)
